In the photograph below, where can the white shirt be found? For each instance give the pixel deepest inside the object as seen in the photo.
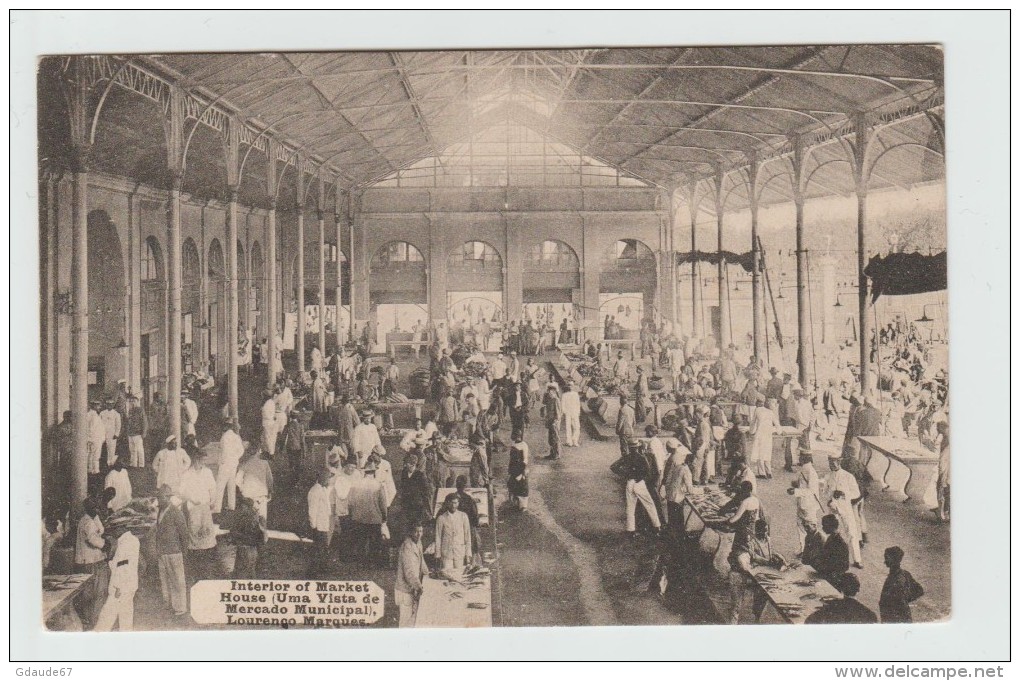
(95, 427)
(198, 486)
(340, 492)
(169, 464)
(124, 564)
(571, 402)
(285, 400)
(320, 510)
(111, 422)
(365, 439)
(269, 410)
(498, 369)
(119, 481)
(192, 409)
(658, 450)
(845, 482)
(231, 449)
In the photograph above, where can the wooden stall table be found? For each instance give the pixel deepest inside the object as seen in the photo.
(456, 460)
(703, 513)
(662, 408)
(58, 594)
(922, 465)
(623, 344)
(463, 602)
(479, 494)
(393, 407)
(795, 593)
(413, 344)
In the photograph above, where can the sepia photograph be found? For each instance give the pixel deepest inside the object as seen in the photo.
(521, 337)
(566, 335)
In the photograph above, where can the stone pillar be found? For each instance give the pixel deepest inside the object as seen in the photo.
(232, 303)
(866, 321)
(827, 271)
(300, 275)
(513, 299)
(757, 294)
(805, 349)
(338, 218)
(321, 215)
(79, 326)
(360, 284)
(322, 282)
(272, 321)
(725, 332)
(272, 293)
(697, 304)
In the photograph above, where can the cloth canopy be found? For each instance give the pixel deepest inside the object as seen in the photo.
(745, 260)
(899, 274)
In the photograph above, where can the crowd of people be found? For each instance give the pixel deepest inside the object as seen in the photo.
(730, 408)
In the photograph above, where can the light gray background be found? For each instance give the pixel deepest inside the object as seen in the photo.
(977, 116)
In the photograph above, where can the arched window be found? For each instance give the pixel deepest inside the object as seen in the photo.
(397, 251)
(552, 253)
(632, 249)
(476, 253)
(151, 261)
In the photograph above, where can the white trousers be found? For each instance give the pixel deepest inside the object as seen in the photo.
(225, 483)
(95, 450)
(117, 610)
(408, 609)
(269, 435)
(111, 451)
(136, 445)
(572, 428)
(638, 491)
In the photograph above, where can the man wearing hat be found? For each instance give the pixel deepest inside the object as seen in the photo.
(625, 425)
(641, 399)
(571, 403)
(552, 410)
(231, 451)
(320, 520)
(96, 436)
(411, 571)
(365, 439)
(498, 369)
(111, 428)
(773, 390)
(368, 509)
(136, 428)
(169, 541)
(803, 419)
(119, 607)
(158, 417)
(513, 369)
(169, 464)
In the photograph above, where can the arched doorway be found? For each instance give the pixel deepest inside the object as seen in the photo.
(397, 286)
(152, 318)
(107, 304)
(191, 307)
(474, 296)
(552, 284)
(626, 288)
(245, 334)
(256, 288)
(217, 314)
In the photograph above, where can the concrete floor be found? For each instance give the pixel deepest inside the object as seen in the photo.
(567, 560)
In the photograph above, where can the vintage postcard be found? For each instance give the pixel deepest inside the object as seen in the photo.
(494, 338)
